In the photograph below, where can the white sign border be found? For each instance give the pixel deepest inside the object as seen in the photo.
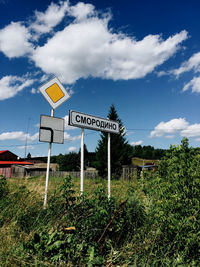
(47, 85)
(52, 129)
(91, 128)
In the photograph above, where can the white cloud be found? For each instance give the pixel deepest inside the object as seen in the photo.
(27, 147)
(44, 78)
(88, 47)
(14, 40)
(180, 126)
(11, 85)
(68, 127)
(34, 91)
(70, 138)
(81, 11)
(192, 64)
(72, 149)
(45, 21)
(162, 73)
(169, 127)
(169, 136)
(194, 84)
(137, 143)
(192, 130)
(18, 135)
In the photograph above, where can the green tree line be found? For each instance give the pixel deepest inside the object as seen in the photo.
(121, 152)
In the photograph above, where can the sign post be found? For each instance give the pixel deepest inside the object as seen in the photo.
(82, 159)
(82, 120)
(55, 94)
(109, 166)
(47, 173)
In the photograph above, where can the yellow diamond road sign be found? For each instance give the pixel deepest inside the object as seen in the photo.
(54, 92)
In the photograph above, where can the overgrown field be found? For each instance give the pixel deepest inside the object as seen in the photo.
(154, 221)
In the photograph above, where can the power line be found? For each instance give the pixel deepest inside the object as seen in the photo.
(164, 129)
(94, 132)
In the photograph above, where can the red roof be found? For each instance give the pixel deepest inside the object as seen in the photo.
(3, 162)
(2, 151)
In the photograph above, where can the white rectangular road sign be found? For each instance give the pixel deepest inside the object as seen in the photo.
(91, 122)
(51, 129)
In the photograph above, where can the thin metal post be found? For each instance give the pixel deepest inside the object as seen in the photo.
(47, 173)
(109, 166)
(82, 159)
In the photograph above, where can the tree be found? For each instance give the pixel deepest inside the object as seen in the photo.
(120, 150)
(148, 152)
(69, 162)
(29, 156)
(85, 155)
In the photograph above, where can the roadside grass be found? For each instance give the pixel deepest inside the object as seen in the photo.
(37, 185)
(22, 216)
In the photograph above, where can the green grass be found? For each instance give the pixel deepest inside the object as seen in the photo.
(37, 185)
(27, 195)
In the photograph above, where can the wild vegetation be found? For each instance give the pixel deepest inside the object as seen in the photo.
(152, 221)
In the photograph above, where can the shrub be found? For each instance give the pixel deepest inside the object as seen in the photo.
(175, 209)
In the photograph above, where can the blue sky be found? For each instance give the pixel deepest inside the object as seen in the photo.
(142, 56)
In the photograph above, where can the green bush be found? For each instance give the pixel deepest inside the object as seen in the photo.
(175, 209)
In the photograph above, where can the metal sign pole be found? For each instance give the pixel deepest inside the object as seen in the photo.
(82, 159)
(47, 173)
(109, 166)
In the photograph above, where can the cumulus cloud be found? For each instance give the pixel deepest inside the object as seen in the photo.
(194, 84)
(11, 85)
(14, 40)
(81, 11)
(89, 48)
(72, 149)
(18, 135)
(169, 127)
(137, 143)
(180, 126)
(192, 64)
(191, 131)
(85, 47)
(45, 21)
(70, 138)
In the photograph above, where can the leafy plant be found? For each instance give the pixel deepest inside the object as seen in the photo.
(88, 229)
(175, 209)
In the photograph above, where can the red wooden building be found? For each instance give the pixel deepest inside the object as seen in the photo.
(7, 160)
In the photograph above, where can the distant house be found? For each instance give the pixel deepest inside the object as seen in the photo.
(148, 167)
(8, 160)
